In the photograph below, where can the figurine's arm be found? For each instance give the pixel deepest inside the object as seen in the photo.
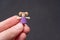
(25, 17)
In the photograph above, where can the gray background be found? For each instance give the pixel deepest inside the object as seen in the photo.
(45, 16)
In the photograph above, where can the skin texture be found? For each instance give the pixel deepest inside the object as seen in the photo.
(12, 29)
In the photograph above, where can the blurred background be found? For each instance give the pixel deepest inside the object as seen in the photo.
(45, 16)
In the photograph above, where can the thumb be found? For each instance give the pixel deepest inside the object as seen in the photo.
(11, 32)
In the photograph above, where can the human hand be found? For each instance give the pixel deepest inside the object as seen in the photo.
(12, 29)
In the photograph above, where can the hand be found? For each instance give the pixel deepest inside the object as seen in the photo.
(12, 29)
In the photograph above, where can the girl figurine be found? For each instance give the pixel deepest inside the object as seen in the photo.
(23, 17)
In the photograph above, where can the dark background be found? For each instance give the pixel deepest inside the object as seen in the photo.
(45, 16)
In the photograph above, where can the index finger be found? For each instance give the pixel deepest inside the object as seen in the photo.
(8, 23)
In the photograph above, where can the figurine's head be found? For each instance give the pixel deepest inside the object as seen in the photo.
(23, 14)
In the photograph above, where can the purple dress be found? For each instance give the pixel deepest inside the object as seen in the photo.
(23, 20)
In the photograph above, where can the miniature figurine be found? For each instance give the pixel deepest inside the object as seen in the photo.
(23, 17)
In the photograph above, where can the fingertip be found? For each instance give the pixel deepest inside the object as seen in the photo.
(26, 28)
(22, 36)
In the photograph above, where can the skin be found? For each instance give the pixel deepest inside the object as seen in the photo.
(12, 29)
